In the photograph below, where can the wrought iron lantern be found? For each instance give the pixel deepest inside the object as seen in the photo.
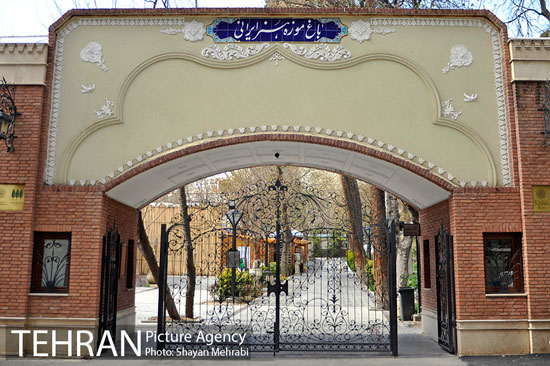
(234, 216)
(8, 112)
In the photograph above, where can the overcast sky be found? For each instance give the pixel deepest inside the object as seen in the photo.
(33, 17)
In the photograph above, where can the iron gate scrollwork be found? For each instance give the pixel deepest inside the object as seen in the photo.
(296, 290)
(446, 322)
(109, 283)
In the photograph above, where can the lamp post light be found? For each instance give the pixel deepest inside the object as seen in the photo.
(8, 112)
(234, 216)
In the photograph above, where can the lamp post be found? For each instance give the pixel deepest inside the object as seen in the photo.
(234, 216)
(278, 188)
(8, 112)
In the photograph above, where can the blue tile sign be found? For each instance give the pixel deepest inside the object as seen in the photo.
(276, 30)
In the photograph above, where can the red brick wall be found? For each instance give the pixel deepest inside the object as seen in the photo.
(126, 219)
(534, 169)
(473, 212)
(66, 209)
(87, 214)
(430, 221)
(20, 167)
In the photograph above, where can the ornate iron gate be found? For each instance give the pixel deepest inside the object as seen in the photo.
(296, 290)
(109, 283)
(446, 322)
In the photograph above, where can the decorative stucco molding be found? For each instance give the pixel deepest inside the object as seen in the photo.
(362, 30)
(232, 51)
(320, 52)
(28, 48)
(460, 57)
(192, 31)
(372, 142)
(496, 44)
(468, 132)
(449, 110)
(276, 57)
(470, 98)
(93, 53)
(87, 88)
(105, 110)
(392, 22)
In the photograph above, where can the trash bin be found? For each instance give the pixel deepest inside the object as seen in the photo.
(407, 302)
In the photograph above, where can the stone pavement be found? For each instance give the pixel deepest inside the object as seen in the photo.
(414, 348)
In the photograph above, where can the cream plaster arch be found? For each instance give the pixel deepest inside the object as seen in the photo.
(438, 119)
(144, 183)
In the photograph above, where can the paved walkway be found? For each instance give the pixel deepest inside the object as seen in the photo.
(414, 347)
(414, 350)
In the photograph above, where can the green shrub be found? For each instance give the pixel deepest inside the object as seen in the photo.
(245, 285)
(269, 271)
(369, 269)
(335, 244)
(351, 260)
(412, 281)
(317, 246)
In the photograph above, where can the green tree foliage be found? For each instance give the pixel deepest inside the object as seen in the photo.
(350, 259)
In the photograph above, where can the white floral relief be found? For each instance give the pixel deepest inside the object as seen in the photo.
(449, 110)
(361, 30)
(470, 98)
(93, 53)
(192, 31)
(105, 110)
(460, 57)
(496, 48)
(87, 88)
(232, 51)
(320, 52)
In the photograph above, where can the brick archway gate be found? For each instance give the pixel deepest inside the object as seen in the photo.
(136, 188)
(415, 102)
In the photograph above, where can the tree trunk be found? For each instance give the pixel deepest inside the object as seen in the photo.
(353, 206)
(191, 272)
(381, 253)
(404, 246)
(147, 252)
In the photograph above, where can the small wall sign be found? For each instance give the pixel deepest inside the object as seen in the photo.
(541, 198)
(411, 229)
(11, 197)
(276, 30)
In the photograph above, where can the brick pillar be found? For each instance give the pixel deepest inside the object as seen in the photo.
(20, 167)
(534, 169)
